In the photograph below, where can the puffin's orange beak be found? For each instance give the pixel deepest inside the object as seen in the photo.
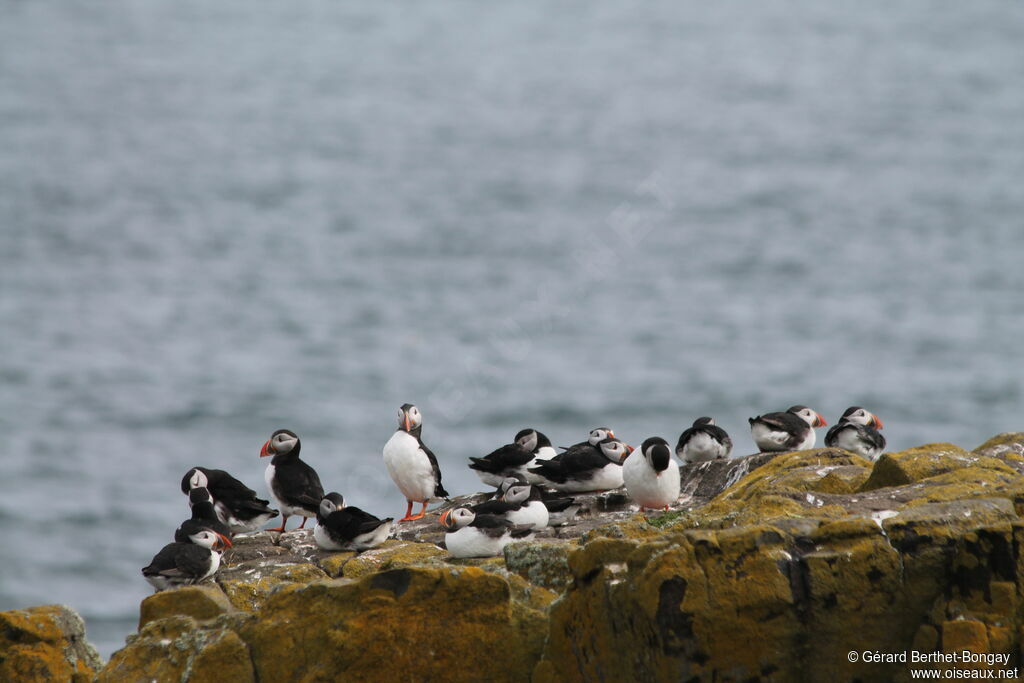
(263, 451)
(611, 433)
(223, 541)
(443, 519)
(821, 421)
(876, 421)
(407, 423)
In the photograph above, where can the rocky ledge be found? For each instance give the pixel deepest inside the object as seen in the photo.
(770, 567)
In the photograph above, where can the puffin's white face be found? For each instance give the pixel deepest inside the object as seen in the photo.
(600, 434)
(509, 482)
(457, 518)
(210, 540)
(517, 493)
(615, 450)
(863, 417)
(281, 443)
(409, 418)
(198, 480)
(327, 506)
(810, 417)
(528, 441)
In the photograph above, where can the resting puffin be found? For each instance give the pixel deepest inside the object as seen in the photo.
(412, 466)
(339, 527)
(182, 564)
(703, 441)
(857, 431)
(586, 468)
(518, 502)
(470, 535)
(512, 460)
(792, 430)
(560, 510)
(651, 475)
(294, 484)
(236, 504)
(203, 517)
(597, 435)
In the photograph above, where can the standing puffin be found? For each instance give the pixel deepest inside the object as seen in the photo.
(203, 517)
(236, 504)
(340, 527)
(651, 475)
(294, 484)
(182, 564)
(411, 464)
(792, 430)
(510, 460)
(857, 431)
(703, 441)
(468, 534)
(585, 468)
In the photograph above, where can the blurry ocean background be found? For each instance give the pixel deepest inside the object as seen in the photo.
(219, 219)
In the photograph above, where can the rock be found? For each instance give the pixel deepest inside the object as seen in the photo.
(199, 602)
(392, 554)
(248, 585)
(542, 563)
(179, 648)
(923, 462)
(45, 643)
(385, 622)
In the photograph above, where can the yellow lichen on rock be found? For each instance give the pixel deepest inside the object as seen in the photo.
(248, 589)
(392, 554)
(199, 602)
(45, 643)
(385, 623)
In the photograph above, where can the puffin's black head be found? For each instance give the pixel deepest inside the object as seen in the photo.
(409, 418)
(809, 416)
(858, 415)
(194, 478)
(703, 421)
(599, 434)
(509, 482)
(655, 449)
(199, 495)
(282, 442)
(615, 450)
(526, 439)
(210, 539)
(331, 502)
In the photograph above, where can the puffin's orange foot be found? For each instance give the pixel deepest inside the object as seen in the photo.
(407, 518)
(419, 516)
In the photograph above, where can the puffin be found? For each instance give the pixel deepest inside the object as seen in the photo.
(510, 460)
(341, 527)
(182, 564)
(468, 534)
(293, 484)
(412, 466)
(651, 475)
(560, 511)
(536, 443)
(203, 517)
(519, 503)
(236, 504)
(597, 435)
(703, 441)
(792, 430)
(857, 431)
(587, 468)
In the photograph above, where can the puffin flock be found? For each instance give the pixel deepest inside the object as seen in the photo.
(530, 476)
